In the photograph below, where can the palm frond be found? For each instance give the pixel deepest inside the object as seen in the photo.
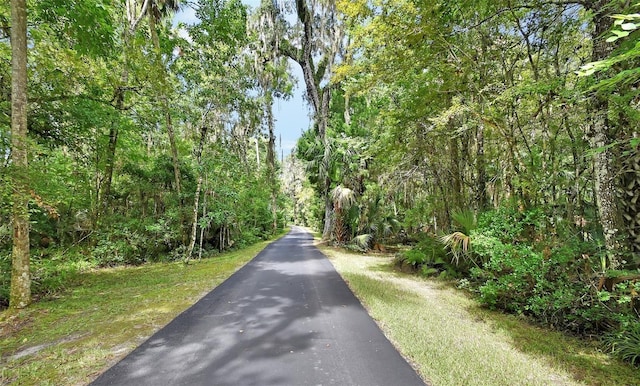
(363, 241)
(465, 220)
(343, 198)
(458, 243)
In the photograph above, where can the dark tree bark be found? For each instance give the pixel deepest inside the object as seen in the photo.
(481, 192)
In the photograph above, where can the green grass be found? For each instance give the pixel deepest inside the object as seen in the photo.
(451, 340)
(74, 336)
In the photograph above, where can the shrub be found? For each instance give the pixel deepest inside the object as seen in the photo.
(50, 274)
(429, 252)
(510, 225)
(414, 257)
(557, 288)
(121, 245)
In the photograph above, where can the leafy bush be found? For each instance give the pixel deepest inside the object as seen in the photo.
(509, 276)
(50, 273)
(414, 257)
(429, 252)
(121, 245)
(557, 288)
(510, 225)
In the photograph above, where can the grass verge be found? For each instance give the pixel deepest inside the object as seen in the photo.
(72, 338)
(451, 340)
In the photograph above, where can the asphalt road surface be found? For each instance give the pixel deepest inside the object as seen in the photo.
(286, 318)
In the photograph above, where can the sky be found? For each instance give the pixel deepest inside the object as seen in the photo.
(292, 116)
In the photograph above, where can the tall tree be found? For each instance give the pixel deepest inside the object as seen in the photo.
(270, 69)
(315, 43)
(134, 14)
(20, 295)
(602, 137)
(212, 62)
(157, 10)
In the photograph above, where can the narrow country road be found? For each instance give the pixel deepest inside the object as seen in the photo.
(286, 318)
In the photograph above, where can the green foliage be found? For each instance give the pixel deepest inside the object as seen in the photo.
(124, 244)
(87, 26)
(362, 243)
(625, 26)
(625, 344)
(547, 285)
(428, 255)
(465, 221)
(414, 257)
(52, 271)
(5, 278)
(510, 225)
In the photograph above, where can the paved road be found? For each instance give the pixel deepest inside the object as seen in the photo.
(286, 318)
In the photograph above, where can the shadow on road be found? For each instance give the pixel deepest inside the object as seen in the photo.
(275, 322)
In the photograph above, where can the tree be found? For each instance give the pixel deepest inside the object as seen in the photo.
(20, 296)
(270, 69)
(315, 43)
(212, 67)
(602, 138)
(156, 10)
(614, 79)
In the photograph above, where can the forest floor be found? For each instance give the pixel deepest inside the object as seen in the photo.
(451, 340)
(73, 336)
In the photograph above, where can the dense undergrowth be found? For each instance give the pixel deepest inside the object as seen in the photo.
(517, 262)
(132, 242)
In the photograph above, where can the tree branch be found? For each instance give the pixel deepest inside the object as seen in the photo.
(143, 13)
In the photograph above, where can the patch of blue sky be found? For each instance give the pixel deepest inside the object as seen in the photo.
(292, 116)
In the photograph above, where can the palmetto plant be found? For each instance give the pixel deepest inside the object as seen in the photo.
(343, 200)
(161, 8)
(459, 243)
(376, 221)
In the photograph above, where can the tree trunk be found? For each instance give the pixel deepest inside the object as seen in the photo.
(456, 179)
(111, 153)
(271, 162)
(164, 101)
(20, 295)
(323, 117)
(194, 226)
(601, 140)
(319, 96)
(204, 213)
(481, 193)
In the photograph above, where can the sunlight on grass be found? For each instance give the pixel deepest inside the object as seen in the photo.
(452, 341)
(72, 338)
